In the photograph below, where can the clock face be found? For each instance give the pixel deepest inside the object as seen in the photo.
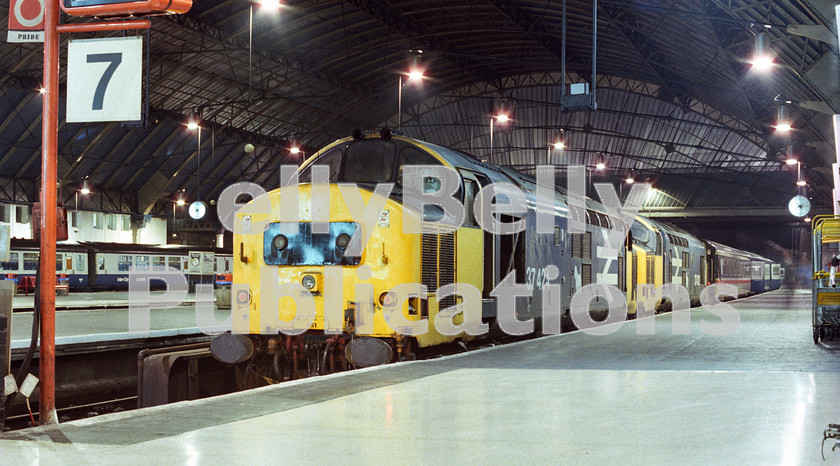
(799, 206)
(197, 210)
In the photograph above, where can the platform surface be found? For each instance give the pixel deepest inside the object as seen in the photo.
(104, 317)
(89, 300)
(762, 395)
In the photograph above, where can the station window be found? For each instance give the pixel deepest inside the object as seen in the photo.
(126, 222)
(98, 220)
(12, 263)
(123, 263)
(4, 214)
(22, 213)
(112, 221)
(30, 261)
(74, 219)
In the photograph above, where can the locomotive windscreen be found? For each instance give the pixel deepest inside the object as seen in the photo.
(370, 161)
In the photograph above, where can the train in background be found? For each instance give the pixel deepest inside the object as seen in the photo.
(105, 266)
(654, 253)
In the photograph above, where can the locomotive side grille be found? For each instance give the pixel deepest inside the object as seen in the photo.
(582, 245)
(650, 272)
(585, 274)
(586, 249)
(446, 266)
(621, 274)
(634, 275)
(429, 270)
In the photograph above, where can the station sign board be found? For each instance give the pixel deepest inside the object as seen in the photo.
(104, 79)
(26, 21)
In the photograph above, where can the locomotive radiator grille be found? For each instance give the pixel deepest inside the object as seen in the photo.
(585, 274)
(651, 263)
(446, 266)
(429, 259)
(438, 263)
(582, 245)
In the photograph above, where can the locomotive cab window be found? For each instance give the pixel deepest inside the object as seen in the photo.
(369, 161)
(331, 159)
(412, 156)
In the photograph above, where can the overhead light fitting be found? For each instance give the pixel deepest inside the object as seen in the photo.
(762, 59)
(270, 4)
(559, 140)
(783, 124)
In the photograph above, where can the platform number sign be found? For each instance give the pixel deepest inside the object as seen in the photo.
(104, 79)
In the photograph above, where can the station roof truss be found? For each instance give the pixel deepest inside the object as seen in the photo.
(678, 103)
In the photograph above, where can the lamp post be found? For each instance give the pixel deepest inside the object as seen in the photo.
(415, 75)
(503, 118)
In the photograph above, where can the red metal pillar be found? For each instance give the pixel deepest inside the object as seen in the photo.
(49, 179)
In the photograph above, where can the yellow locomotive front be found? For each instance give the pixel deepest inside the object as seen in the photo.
(325, 275)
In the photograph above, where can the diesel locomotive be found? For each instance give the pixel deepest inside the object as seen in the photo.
(362, 191)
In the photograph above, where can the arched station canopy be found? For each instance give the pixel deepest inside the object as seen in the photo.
(679, 103)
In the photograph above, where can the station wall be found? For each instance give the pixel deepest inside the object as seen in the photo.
(87, 225)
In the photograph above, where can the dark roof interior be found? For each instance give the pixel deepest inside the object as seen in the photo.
(678, 103)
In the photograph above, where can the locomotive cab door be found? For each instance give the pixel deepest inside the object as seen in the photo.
(471, 239)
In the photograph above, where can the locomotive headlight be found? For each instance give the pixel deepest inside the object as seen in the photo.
(387, 299)
(280, 242)
(308, 282)
(342, 241)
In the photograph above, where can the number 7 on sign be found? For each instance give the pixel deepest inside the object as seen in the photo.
(114, 59)
(104, 79)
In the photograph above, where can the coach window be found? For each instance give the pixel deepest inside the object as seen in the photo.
(331, 159)
(142, 262)
(59, 263)
(175, 263)
(159, 262)
(12, 263)
(30, 261)
(123, 263)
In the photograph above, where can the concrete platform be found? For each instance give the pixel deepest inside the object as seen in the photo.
(762, 395)
(95, 322)
(86, 300)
